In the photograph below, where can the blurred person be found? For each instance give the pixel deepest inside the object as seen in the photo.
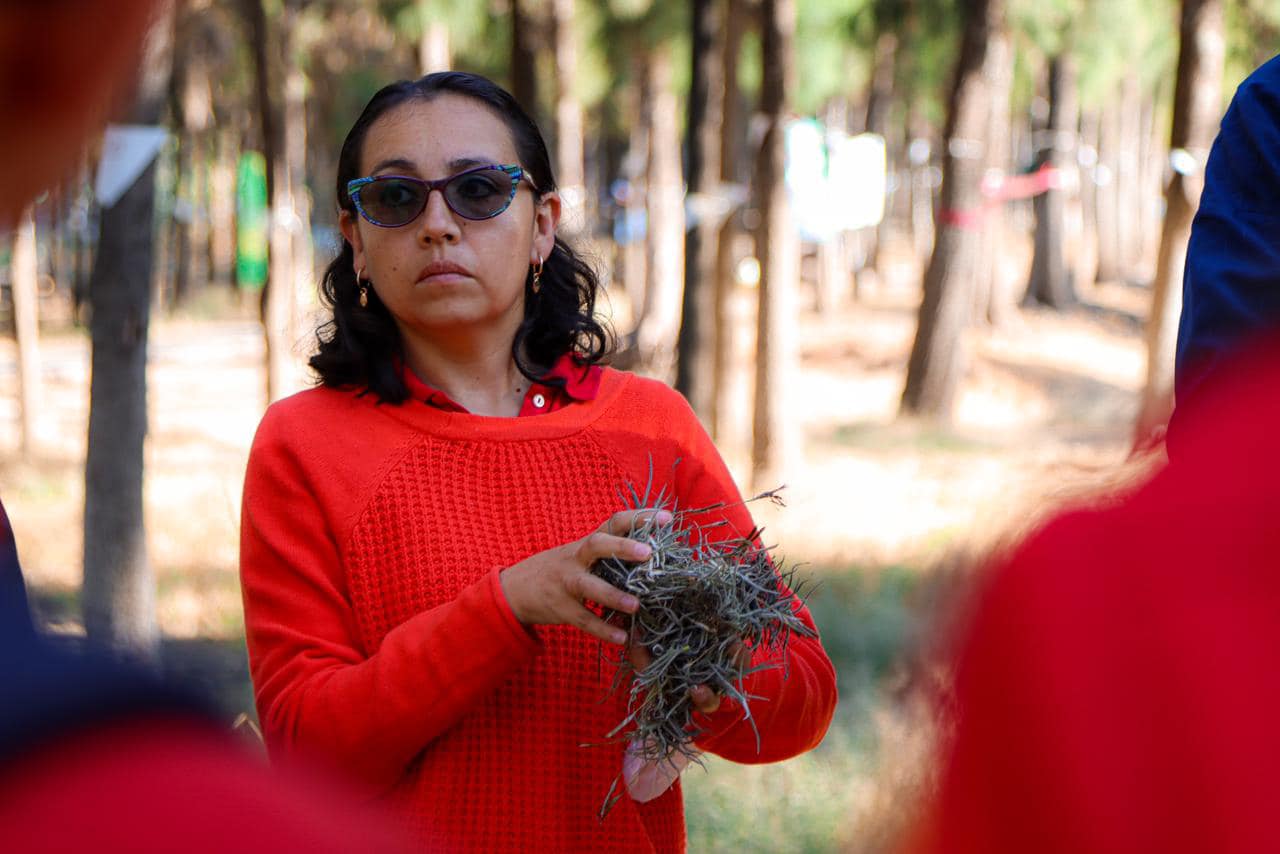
(96, 754)
(64, 65)
(99, 755)
(13, 590)
(1116, 690)
(418, 531)
(1231, 286)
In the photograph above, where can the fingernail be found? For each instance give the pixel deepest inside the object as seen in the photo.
(662, 517)
(619, 637)
(630, 603)
(641, 550)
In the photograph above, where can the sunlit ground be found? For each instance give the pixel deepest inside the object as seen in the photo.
(873, 507)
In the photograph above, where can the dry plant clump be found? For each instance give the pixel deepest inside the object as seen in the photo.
(703, 599)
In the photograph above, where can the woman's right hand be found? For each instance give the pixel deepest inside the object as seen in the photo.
(549, 587)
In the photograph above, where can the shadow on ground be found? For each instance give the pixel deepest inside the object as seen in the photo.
(1083, 408)
(217, 668)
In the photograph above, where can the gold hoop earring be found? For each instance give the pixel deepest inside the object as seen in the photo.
(536, 284)
(364, 288)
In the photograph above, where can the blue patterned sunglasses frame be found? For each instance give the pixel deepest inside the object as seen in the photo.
(449, 188)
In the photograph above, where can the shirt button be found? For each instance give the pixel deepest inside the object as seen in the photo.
(539, 401)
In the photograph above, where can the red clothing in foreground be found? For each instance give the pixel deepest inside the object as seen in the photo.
(1120, 688)
(152, 785)
(380, 640)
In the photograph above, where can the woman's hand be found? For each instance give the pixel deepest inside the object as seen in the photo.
(549, 587)
(704, 697)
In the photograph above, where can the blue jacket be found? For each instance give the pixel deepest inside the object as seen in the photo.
(13, 593)
(1231, 285)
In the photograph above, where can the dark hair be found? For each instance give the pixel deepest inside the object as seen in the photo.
(359, 345)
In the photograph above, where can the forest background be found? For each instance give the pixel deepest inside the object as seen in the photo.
(932, 348)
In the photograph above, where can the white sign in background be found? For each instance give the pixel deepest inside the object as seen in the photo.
(127, 150)
(837, 182)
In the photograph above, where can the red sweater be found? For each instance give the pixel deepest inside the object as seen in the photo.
(1119, 688)
(158, 784)
(381, 643)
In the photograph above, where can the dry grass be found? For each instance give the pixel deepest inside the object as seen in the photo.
(707, 601)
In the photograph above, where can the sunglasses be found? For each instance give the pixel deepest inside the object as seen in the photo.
(391, 201)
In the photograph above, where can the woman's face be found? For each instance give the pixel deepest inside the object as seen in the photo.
(483, 288)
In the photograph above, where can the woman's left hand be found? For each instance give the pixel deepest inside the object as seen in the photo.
(704, 697)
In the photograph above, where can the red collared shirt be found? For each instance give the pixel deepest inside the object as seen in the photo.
(581, 383)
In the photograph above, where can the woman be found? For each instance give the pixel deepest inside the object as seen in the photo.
(418, 530)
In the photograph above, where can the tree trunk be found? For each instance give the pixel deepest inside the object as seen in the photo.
(664, 236)
(635, 276)
(879, 100)
(283, 128)
(178, 226)
(1107, 195)
(835, 258)
(917, 195)
(222, 209)
(775, 447)
(992, 298)
(937, 357)
(269, 138)
(1153, 161)
(695, 375)
(290, 228)
(1129, 177)
(198, 229)
(570, 147)
(524, 64)
(1196, 107)
(24, 283)
(279, 291)
(842, 251)
(919, 159)
(192, 107)
(119, 589)
(434, 53)
(741, 16)
(162, 260)
(62, 236)
(85, 251)
(1086, 209)
(880, 87)
(1052, 281)
(256, 20)
(732, 143)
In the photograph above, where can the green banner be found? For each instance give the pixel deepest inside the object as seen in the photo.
(252, 214)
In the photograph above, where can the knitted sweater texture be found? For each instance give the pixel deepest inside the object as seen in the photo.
(381, 643)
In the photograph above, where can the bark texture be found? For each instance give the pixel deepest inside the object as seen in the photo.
(119, 588)
(23, 279)
(664, 234)
(937, 360)
(1052, 282)
(695, 374)
(524, 64)
(1197, 104)
(732, 167)
(774, 448)
(570, 146)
